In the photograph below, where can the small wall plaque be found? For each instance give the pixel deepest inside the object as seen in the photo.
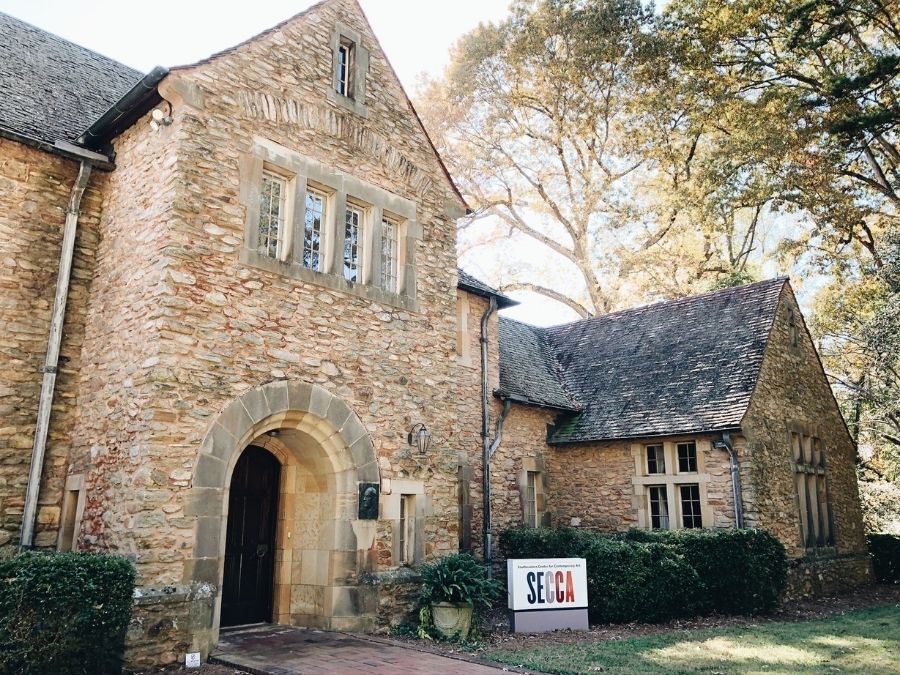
(368, 501)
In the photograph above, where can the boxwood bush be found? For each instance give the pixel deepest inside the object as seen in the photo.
(64, 613)
(885, 550)
(656, 576)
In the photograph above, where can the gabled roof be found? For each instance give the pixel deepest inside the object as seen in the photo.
(52, 89)
(540, 381)
(686, 366)
(469, 283)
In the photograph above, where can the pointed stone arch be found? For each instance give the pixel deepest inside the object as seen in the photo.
(344, 457)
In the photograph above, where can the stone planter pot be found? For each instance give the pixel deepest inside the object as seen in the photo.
(452, 619)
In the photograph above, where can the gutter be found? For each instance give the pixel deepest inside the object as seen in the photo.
(736, 490)
(134, 103)
(51, 361)
(485, 438)
(60, 148)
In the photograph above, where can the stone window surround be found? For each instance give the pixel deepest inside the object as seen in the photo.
(642, 481)
(533, 465)
(463, 336)
(392, 491)
(814, 432)
(303, 172)
(359, 65)
(71, 512)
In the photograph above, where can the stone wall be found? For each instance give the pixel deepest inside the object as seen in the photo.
(179, 326)
(793, 392)
(34, 192)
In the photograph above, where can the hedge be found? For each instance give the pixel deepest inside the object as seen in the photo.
(64, 613)
(656, 576)
(885, 550)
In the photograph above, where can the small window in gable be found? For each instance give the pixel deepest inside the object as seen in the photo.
(353, 244)
(345, 56)
(272, 240)
(792, 328)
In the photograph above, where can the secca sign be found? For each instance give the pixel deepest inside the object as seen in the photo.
(550, 583)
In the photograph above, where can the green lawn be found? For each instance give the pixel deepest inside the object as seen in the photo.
(864, 641)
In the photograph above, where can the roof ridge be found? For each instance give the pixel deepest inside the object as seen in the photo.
(780, 280)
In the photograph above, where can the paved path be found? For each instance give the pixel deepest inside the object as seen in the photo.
(286, 650)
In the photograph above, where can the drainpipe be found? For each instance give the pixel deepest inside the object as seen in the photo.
(52, 361)
(485, 436)
(725, 444)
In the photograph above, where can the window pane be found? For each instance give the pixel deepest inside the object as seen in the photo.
(531, 499)
(656, 461)
(271, 214)
(312, 229)
(687, 457)
(402, 529)
(353, 223)
(389, 256)
(659, 508)
(690, 506)
(342, 70)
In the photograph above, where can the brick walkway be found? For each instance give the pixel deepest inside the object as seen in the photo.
(285, 650)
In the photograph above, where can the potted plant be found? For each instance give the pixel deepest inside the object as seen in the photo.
(452, 587)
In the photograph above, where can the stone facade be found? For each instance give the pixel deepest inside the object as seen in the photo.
(183, 344)
(34, 194)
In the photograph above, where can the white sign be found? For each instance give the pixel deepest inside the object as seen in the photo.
(547, 583)
(192, 660)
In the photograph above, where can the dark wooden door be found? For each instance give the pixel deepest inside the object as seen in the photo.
(247, 589)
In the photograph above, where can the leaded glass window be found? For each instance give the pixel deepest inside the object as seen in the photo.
(687, 457)
(312, 230)
(690, 506)
(659, 507)
(531, 478)
(352, 244)
(272, 203)
(656, 460)
(389, 255)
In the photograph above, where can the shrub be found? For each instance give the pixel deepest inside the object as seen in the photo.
(655, 576)
(458, 578)
(885, 550)
(739, 571)
(64, 613)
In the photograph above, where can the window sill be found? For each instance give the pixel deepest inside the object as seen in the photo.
(348, 103)
(330, 281)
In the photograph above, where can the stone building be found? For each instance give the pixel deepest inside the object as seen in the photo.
(235, 347)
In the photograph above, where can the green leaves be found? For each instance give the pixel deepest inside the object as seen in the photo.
(656, 576)
(458, 578)
(64, 613)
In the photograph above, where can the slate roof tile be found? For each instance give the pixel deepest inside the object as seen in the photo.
(52, 89)
(469, 283)
(685, 366)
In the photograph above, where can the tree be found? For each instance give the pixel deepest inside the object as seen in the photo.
(808, 97)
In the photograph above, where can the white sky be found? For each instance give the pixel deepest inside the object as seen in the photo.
(415, 34)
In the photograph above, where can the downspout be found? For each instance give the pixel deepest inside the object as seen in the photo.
(485, 437)
(52, 360)
(736, 490)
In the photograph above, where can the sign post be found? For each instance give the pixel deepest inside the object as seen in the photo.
(547, 594)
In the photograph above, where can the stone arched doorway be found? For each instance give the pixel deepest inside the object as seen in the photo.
(325, 455)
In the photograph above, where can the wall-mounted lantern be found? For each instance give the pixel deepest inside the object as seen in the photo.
(420, 437)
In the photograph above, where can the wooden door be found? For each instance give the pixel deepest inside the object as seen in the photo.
(248, 589)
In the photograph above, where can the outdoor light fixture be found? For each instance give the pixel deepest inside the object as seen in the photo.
(420, 436)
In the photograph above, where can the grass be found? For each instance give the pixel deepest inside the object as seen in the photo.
(863, 641)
